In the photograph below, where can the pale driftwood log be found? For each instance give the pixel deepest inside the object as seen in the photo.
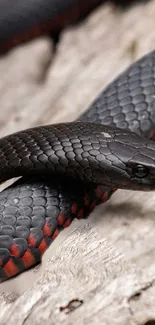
(104, 274)
(84, 283)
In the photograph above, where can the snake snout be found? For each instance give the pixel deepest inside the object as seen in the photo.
(130, 164)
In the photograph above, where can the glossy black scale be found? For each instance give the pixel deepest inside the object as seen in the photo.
(70, 168)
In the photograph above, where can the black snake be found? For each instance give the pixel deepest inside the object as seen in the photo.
(69, 168)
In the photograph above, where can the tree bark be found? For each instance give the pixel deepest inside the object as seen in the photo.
(104, 271)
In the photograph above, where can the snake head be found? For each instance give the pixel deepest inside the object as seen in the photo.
(129, 161)
(141, 167)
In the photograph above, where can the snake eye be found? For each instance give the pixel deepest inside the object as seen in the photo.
(140, 171)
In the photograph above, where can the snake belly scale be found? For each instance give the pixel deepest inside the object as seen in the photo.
(67, 169)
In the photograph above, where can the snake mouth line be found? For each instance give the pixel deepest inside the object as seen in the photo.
(96, 149)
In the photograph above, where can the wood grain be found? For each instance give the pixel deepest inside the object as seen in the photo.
(103, 273)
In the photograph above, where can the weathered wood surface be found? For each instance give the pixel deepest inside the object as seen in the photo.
(107, 269)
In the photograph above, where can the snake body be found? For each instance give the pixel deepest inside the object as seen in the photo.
(29, 19)
(69, 168)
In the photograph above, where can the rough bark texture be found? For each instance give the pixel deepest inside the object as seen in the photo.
(103, 273)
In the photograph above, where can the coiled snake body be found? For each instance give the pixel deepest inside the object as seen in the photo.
(68, 169)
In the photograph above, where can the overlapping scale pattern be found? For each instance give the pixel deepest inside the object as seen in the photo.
(129, 101)
(51, 160)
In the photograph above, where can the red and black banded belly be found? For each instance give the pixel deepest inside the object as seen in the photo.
(33, 213)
